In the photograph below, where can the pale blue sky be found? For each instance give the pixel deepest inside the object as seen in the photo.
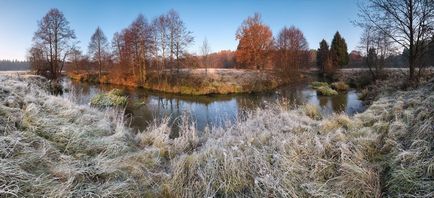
(217, 20)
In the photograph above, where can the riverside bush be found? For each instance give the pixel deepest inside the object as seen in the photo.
(340, 86)
(113, 98)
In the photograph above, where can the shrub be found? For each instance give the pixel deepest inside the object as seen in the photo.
(316, 84)
(326, 91)
(340, 86)
(113, 98)
(336, 122)
(363, 94)
(312, 111)
(117, 92)
(323, 88)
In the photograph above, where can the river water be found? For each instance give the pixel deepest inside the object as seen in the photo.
(213, 110)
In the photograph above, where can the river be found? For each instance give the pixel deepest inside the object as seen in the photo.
(212, 110)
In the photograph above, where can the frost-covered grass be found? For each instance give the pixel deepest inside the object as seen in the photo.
(50, 146)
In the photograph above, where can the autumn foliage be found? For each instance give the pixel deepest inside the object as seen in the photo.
(255, 41)
(152, 49)
(287, 54)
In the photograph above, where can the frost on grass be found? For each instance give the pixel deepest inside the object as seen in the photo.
(52, 147)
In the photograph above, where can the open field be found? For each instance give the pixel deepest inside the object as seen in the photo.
(346, 73)
(13, 73)
(50, 146)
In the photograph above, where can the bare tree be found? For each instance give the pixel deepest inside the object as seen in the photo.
(409, 23)
(75, 58)
(154, 60)
(117, 47)
(53, 38)
(377, 46)
(171, 19)
(98, 48)
(38, 60)
(160, 27)
(179, 37)
(121, 53)
(292, 50)
(142, 46)
(205, 50)
(140, 43)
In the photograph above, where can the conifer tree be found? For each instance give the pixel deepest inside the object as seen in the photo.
(323, 59)
(339, 51)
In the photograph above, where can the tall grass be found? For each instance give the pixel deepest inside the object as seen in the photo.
(50, 146)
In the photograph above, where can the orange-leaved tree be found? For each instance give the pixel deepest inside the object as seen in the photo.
(255, 42)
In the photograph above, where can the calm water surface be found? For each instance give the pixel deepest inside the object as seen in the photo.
(215, 110)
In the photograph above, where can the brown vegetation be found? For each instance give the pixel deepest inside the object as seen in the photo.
(143, 53)
(255, 43)
(196, 81)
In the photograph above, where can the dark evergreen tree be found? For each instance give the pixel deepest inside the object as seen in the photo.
(323, 58)
(372, 61)
(429, 54)
(339, 51)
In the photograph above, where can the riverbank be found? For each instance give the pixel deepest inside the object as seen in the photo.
(217, 110)
(50, 146)
(195, 81)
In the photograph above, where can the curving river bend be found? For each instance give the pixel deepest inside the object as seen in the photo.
(213, 110)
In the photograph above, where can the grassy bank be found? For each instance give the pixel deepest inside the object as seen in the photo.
(49, 146)
(195, 81)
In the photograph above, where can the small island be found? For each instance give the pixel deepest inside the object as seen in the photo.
(193, 81)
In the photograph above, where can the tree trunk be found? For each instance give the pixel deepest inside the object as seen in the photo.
(99, 75)
(411, 50)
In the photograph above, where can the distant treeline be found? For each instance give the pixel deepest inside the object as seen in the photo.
(160, 45)
(358, 60)
(14, 65)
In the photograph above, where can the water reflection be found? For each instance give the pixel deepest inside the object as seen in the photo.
(215, 110)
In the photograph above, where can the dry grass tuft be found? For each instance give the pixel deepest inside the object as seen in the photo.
(340, 86)
(312, 111)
